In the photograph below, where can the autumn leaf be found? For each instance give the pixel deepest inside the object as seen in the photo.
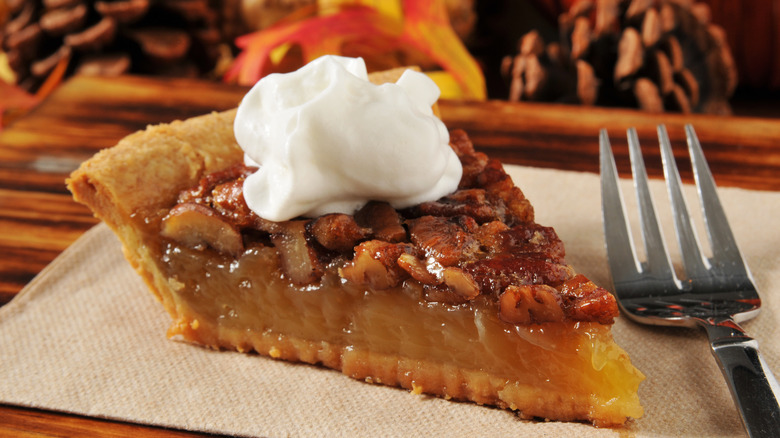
(16, 102)
(387, 34)
(316, 36)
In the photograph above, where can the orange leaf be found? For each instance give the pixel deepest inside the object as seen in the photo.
(16, 102)
(54, 79)
(422, 34)
(316, 36)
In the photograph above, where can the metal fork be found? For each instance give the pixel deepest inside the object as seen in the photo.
(716, 293)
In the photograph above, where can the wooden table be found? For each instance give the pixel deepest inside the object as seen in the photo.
(38, 219)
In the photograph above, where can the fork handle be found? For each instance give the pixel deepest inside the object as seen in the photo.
(754, 388)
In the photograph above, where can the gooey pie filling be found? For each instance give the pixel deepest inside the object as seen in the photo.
(480, 241)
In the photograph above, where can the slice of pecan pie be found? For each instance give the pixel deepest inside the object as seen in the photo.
(464, 298)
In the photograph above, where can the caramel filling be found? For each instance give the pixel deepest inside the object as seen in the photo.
(480, 241)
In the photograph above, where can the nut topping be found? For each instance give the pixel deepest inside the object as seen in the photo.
(460, 282)
(194, 225)
(375, 264)
(337, 232)
(528, 304)
(583, 299)
(442, 239)
(299, 260)
(419, 270)
(383, 220)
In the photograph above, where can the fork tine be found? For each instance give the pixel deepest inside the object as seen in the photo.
(622, 257)
(696, 266)
(657, 264)
(725, 252)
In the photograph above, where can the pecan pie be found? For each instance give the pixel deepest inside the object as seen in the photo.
(465, 297)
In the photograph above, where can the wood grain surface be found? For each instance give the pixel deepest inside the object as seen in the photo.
(38, 218)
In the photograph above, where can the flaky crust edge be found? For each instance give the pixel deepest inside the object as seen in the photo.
(142, 176)
(173, 156)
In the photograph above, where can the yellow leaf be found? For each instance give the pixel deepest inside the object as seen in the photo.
(6, 74)
(450, 89)
(428, 28)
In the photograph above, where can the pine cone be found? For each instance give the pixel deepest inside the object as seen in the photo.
(656, 55)
(163, 37)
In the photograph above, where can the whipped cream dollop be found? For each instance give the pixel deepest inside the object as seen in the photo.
(327, 140)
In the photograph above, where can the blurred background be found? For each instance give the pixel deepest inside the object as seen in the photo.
(706, 56)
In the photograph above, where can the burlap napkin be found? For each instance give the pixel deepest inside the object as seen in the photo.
(86, 337)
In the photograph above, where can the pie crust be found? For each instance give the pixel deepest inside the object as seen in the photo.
(534, 337)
